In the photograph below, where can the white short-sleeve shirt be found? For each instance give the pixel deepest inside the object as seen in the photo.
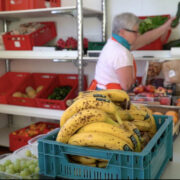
(113, 56)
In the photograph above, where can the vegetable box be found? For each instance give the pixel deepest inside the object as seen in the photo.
(12, 5)
(19, 138)
(34, 81)
(148, 164)
(9, 82)
(36, 38)
(70, 80)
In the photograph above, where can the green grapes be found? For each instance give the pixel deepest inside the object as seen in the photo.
(24, 168)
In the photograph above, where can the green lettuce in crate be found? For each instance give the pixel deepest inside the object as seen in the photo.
(151, 23)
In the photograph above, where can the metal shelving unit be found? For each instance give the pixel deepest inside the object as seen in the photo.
(76, 11)
(77, 57)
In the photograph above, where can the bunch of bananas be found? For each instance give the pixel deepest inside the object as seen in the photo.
(105, 119)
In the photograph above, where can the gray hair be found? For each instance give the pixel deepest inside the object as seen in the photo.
(124, 21)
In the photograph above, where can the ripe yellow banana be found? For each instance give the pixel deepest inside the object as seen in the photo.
(146, 109)
(139, 115)
(125, 115)
(114, 94)
(93, 103)
(142, 125)
(102, 164)
(96, 95)
(133, 107)
(132, 128)
(78, 120)
(103, 127)
(102, 140)
(153, 128)
(146, 138)
(83, 159)
(92, 165)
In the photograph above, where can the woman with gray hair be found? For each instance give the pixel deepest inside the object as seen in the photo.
(116, 67)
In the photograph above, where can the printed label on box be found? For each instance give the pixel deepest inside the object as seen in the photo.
(172, 73)
(17, 44)
(12, 2)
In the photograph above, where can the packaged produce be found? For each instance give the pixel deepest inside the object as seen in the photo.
(171, 71)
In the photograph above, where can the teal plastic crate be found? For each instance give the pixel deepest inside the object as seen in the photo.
(148, 164)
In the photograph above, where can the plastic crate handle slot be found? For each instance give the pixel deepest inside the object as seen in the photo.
(94, 153)
(47, 76)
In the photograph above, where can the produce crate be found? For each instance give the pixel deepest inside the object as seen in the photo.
(36, 38)
(148, 164)
(162, 100)
(2, 5)
(163, 110)
(158, 43)
(34, 80)
(9, 82)
(20, 161)
(12, 5)
(17, 140)
(95, 45)
(62, 80)
(55, 3)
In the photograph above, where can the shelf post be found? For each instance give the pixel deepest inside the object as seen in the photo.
(104, 21)
(7, 64)
(79, 5)
(7, 61)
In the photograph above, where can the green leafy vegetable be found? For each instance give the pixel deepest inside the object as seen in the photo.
(60, 93)
(151, 23)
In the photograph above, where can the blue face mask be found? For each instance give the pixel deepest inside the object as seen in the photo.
(121, 40)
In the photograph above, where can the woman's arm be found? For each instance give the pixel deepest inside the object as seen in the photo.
(126, 77)
(152, 35)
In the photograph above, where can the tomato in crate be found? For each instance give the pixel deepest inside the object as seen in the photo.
(19, 138)
(55, 97)
(30, 89)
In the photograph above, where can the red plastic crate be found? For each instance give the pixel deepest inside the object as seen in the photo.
(62, 80)
(12, 5)
(16, 141)
(158, 43)
(36, 38)
(2, 5)
(55, 3)
(34, 80)
(9, 82)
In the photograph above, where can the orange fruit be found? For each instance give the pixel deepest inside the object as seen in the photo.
(174, 114)
(157, 113)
